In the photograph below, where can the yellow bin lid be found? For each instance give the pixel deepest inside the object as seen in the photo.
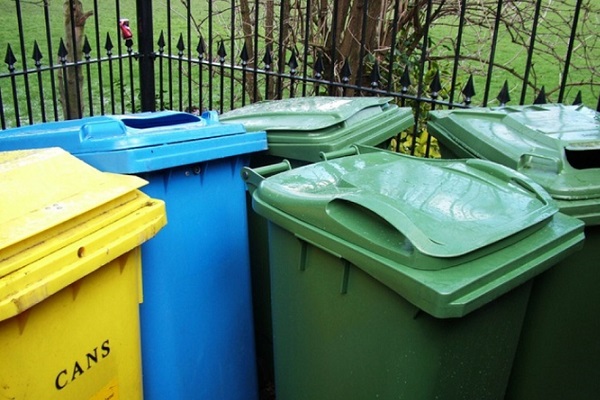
(60, 220)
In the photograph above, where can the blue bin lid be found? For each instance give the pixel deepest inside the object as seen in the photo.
(142, 142)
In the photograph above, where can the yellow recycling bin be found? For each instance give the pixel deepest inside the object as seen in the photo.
(70, 277)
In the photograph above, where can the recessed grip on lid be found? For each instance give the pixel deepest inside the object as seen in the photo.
(510, 176)
(168, 118)
(339, 211)
(107, 127)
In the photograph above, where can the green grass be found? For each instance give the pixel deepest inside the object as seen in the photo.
(111, 94)
(119, 94)
(35, 31)
(511, 58)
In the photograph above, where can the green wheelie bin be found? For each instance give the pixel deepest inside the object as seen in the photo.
(558, 146)
(400, 277)
(299, 129)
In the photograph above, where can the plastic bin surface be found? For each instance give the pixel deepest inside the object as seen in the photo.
(300, 128)
(197, 302)
(398, 277)
(556, 145)
(69, 277)
(141, 142)
(430, 227)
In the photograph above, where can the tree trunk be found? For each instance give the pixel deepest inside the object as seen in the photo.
(269, 40)
(247, 28)
(71, 77)
(351, 43)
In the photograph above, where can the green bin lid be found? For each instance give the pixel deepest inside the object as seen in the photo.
(448, 235)
(556, 145)
(300, 128)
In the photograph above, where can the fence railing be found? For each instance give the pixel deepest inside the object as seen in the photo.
(130, 56)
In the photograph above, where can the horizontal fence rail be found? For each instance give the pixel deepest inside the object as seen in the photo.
(81, 58)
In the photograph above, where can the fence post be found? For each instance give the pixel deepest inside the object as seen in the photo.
(146, 55)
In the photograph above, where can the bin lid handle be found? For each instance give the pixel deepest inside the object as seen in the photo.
(526, 159)
(254, 176)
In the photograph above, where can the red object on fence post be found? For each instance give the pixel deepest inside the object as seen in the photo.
(125, 29)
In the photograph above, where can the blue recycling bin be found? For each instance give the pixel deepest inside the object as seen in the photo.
(196, 316)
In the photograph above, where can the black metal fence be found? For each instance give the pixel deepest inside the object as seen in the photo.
(143, 55)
